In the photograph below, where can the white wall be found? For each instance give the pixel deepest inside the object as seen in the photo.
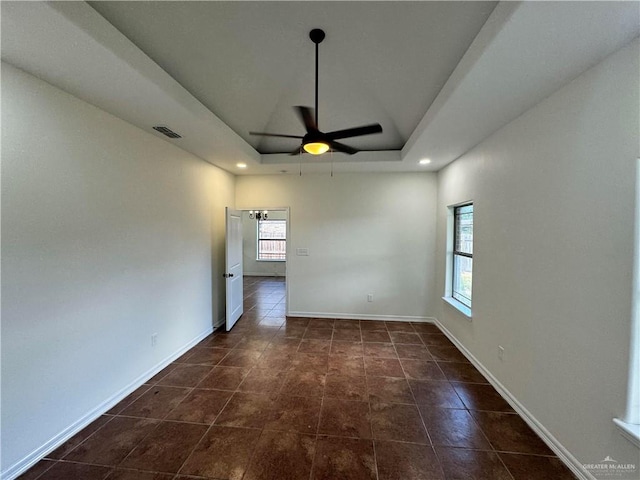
(553, 196)
(366, 233)
(250, 265)
(110, 234)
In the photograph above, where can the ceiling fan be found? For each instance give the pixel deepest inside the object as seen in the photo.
(315, 141)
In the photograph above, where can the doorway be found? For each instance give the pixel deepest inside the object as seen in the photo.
(264, 237)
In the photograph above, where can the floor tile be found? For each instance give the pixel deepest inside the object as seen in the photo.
(282, 455)
(263, 380)
(67, 471)
(126, 474)
(343, 365)
(345, 418)
(382, 350)
(241, 358)
(112, 443)
(250, 410)
(507, 432)
(200, 406)
(129, 399)
(462, 372)
(223, 452)
(379, 336)
(156, 402)
(206, 355)
(318, 333)
(399, 327)
(321, 323)
(346, 325)
(37, 470)
(79, 437)
(353, 349)
(257, 344)
(297, 322)
(393, 421)
(383, 367)
(345, 387)
(312, 362)
(445, 353)
(435, 393)
(314, 346)
(481, 397)
(406, 338)
(436, 339)
(464, 464)
(453, 428)
(161, 374)
(292, 331)
(277, 360)
(224, 378)
(304, 383)
(533, 467)
(295, 414)
(407, 461)
(186, 376)
(347, 335)
(282, 344)
(166, 448)
(386, 389)
(422, 370)
(222, 341)
(414, 352)
(372, 325)
(428, 328)
(344, 458)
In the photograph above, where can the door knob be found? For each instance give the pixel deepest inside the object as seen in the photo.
(227, 275)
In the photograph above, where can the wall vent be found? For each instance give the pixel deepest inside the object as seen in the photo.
(167, 131)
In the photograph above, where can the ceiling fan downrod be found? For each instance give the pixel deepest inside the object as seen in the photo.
(317, 36)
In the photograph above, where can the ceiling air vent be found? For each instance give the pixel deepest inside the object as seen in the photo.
(167, 131)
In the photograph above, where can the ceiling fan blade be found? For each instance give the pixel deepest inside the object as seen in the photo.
(274, 135)
(341, 147)
(307, 117)
(355, 132)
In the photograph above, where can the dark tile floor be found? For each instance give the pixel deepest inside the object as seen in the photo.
(294, 398)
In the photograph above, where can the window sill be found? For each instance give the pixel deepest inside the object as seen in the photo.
(462, 308)
(630, 431)
(269, 260)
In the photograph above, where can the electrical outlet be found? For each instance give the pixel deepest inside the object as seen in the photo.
(500, 353)
(154, 339)
(370, 297)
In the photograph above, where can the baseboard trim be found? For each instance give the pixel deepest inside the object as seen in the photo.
(36, 455)
(563, 454)
(362, 316)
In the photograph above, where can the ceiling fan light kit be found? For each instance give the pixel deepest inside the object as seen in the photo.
(315, 141)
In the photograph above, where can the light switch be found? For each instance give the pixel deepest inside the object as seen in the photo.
(302, 252)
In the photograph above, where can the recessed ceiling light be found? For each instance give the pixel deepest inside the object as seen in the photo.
(241, 165)
(425, 161)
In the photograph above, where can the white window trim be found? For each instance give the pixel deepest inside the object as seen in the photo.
(280, 260)
(630, 423)
(448, 280)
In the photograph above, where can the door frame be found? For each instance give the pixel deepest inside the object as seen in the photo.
(288, 249)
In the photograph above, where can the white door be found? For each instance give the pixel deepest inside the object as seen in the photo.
(233, 272)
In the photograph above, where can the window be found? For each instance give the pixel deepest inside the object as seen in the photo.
(272, 240)
(462, 267)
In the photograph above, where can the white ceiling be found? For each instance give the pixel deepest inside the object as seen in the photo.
(438, 76)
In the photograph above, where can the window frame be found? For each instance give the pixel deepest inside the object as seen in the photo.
(258, 239)
(467, 302)
(451, 258)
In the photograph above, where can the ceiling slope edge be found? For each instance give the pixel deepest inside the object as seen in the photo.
(524, 53)
(71, 46)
